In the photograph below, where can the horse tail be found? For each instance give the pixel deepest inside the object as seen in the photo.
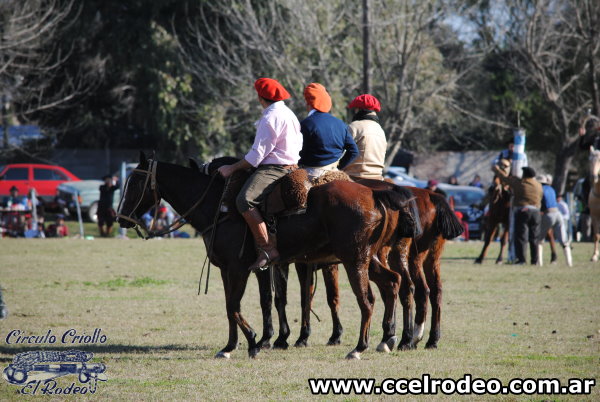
(446, 220)
(398, 198)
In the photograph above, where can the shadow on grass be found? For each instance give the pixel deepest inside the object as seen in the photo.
(100, 349)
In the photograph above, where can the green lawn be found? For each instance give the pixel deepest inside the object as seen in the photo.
(497, 322)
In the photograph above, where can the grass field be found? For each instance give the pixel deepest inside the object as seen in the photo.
(497, 322)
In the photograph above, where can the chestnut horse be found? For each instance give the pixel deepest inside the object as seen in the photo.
(594, 199)
(416, 261)
(498, 214)
(344, 221)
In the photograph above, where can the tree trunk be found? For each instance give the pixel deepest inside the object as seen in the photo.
(562, 165)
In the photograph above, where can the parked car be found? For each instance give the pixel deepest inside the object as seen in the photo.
(464, 197)
(401, 178)
(44, 178)
(89, 194)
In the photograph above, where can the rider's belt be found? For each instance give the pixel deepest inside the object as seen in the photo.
(553, 209)
(290, 167)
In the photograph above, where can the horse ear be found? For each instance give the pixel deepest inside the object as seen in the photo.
(193, 164)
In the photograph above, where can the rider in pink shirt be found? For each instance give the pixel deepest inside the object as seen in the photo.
(275, 153)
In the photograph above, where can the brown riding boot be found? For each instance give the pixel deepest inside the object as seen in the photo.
(265, 244)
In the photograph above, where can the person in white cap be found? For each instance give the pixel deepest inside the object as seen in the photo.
(552, 220)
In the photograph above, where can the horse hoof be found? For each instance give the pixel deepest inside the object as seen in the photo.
(478, 261)
(431, 345)
(279, 344)
(223, 355)
(499, 262)
(406, 346)
(301, 343)
(594, 259)
(354, 355)
(383, 348)
(333, 341)
(253, 352)
(264, 345)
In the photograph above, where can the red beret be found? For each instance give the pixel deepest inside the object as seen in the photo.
(365, 101)
(271, 89)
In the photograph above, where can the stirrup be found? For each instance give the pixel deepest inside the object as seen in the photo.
(267, 263)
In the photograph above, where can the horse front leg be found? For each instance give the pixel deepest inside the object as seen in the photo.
(305, 276)
(281, 279)
(553, 255)
(596, 237)
(225, 353)
(238, 279)
(330, 277)
(266, 303)
(358, 275)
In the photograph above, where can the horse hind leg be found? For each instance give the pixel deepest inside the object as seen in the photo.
(503, 242)
(421, 299)
(330, 278)
(432, 271)
(398, 261)
(388, 283)
(489, 235)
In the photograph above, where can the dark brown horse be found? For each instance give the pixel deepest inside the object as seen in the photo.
(416, 261)
(498, 214)
(343, 221)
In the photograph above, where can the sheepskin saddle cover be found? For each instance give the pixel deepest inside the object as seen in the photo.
(289, 193)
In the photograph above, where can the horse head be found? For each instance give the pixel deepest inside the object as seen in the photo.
(140, 193)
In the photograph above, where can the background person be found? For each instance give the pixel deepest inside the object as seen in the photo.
(327, 142)
(275, 153)
(508, 154)
(527, 202)
(432, 185)
(476, 182)
(552, 219)
(106, 212)
(58, 229)
(369, 138)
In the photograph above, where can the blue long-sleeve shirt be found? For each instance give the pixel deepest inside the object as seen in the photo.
(549, 198)
(325, 140)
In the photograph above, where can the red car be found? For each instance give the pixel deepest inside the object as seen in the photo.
(25, 176)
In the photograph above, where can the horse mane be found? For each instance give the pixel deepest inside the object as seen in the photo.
(446, 220)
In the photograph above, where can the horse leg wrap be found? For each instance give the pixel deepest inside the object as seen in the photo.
(540, 261)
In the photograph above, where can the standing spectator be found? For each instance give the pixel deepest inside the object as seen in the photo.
(527, 202)
(106, 213)
(369, 137)
(432, 185)
(453, 180)
(476, 182)
(552, 219)
(327, 143)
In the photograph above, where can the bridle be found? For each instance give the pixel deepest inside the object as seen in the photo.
(150, 177)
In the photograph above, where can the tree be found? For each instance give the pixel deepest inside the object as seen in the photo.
(31, 57)
(556, 49)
